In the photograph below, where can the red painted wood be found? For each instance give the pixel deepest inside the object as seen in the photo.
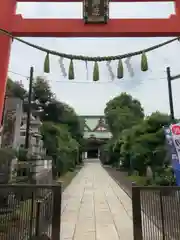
(114, 28)
(7, 10)
(82, 1)
(177, 7)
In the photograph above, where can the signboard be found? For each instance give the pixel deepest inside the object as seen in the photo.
(172, 134)
(96, 11)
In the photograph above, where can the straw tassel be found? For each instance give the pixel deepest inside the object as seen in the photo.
(47, 64)
(71, 70)
(120, 70)
(96, 72)
(144, 62)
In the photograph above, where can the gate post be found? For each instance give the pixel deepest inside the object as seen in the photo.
(136, 207)
(7, 13)
(177, 8)
(56, 218)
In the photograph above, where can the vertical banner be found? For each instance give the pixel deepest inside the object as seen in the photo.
(172, 134)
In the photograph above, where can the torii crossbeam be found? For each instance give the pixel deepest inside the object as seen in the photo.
(21, 27)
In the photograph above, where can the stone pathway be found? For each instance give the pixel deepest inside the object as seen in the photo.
(94, 207)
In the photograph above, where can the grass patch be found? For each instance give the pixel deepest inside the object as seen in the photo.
(139, 180)
(68, 177)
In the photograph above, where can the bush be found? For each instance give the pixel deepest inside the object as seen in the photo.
(167, 178)
(60, 146)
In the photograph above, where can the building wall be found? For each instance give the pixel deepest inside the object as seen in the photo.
(100, 135)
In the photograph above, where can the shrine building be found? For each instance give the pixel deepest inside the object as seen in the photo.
(96, 133)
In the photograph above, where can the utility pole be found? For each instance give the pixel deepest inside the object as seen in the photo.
(28, 122)
(169, 79)
(171, 106)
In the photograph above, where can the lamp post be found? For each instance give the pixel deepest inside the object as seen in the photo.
(28, 121)
(169, 79)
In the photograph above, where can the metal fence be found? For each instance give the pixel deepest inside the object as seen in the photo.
(30, 211)
(156, 213)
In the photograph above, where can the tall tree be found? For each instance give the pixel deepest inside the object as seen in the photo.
(59, 114)
(54, 110)
(123, 112)
(62, 113)
(42, 90)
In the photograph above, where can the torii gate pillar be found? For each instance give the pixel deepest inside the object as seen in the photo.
(7, 14)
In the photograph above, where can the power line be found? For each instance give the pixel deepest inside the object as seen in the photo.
(86, 82)
(15, 73)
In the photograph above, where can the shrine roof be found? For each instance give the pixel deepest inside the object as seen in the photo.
(95, 125)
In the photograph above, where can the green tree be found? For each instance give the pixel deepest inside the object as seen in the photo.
(137, 142)
(54, 110)
(61, 125)
(60, 145)
(15, 89)
(144, 144)
(123, 112)
(62, 113)
(42, 90)
(61, 130)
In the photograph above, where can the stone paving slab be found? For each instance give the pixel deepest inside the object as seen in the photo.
(94, 207)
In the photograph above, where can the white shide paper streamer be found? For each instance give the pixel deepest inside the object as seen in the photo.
(109, 67)
(62, 67)
(129, 66)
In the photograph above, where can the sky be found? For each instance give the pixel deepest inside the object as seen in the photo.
(84, 95)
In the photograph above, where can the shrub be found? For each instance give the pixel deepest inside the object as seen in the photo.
(167, 178)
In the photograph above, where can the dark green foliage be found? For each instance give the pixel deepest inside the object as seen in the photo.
(122, 112)
(15, 89)
(61, 128)
(60, 145)
(62, 113)
(137, 142)
(42, 90)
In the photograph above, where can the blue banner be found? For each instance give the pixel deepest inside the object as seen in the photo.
(172, 135)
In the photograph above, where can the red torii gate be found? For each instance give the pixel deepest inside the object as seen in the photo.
(21, 27)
